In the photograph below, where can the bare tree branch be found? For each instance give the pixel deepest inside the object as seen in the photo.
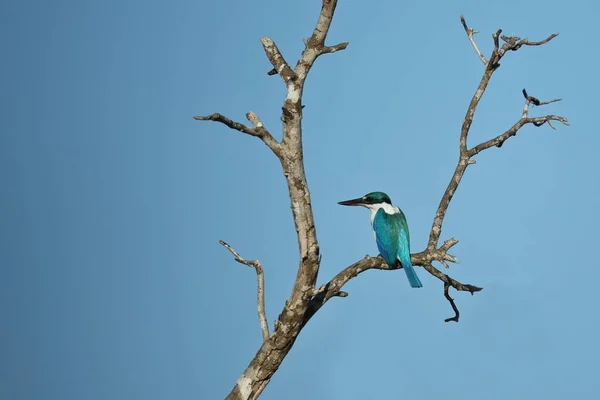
(335, 48)
(471, 35)
(463, 161)
(272, 352)
(226, 121)
(535, 101)
(260, 289)
(258, 131)
(451, 301)
(461, 287)
(499, 140)
(511, 43)
(424, 259)
(305, 300)
(515, 43)
(315, 45)
(280, 66)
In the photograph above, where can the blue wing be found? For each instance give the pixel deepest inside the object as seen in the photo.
(393, 242)
(403, 239)
(387, 233)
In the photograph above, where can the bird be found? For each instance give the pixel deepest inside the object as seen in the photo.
(391, 232)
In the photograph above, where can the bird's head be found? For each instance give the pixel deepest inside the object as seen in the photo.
(368, 200)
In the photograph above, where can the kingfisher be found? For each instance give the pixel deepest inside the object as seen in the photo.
(391, 232)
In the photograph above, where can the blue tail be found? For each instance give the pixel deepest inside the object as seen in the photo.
(411, 274)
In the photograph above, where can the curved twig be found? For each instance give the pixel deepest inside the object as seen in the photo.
(451, 301)
(260, 292)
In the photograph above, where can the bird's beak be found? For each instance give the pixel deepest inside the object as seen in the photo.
(353, 202)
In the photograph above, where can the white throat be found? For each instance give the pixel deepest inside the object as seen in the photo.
(388, 208)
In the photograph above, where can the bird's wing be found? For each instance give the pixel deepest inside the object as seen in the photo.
(403, 238)
(387, 232)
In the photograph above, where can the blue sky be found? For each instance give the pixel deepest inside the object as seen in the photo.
(112, 281)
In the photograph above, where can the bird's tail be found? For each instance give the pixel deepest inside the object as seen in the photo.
(411, 274)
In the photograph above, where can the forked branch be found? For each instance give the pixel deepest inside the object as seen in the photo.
(425, 259)
(511, 43)
(258, 131)
(525, 119)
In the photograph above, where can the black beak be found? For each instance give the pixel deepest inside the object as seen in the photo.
(353, 202)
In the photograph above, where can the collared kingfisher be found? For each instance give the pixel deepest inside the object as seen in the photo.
(391, 232)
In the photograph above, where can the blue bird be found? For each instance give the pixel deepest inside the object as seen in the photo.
(391, 232)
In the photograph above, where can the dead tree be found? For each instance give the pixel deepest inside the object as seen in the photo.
(306, 297)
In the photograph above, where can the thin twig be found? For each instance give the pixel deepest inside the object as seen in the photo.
(535, 101)
(260, 290)
(335, 48)
(258, 131)
(499, 140)
(461, 287)
(451, 300)
(227, 122)
(471, 35)
(526, 42)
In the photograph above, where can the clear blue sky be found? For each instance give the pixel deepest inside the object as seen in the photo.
(112, 281)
